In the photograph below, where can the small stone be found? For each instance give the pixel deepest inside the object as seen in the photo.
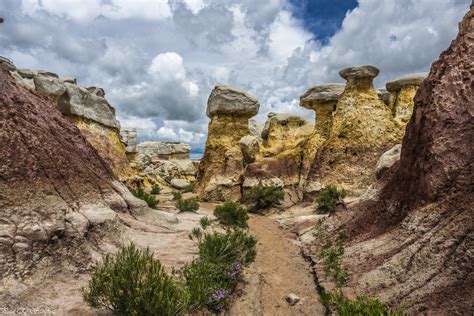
(179, 183)
(97, 215)
(292, 299)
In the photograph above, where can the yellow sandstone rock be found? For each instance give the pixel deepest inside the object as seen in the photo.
(221, 167)
(402, 92)
(362, 128)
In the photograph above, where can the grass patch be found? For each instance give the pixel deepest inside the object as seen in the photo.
(176, 195)
(264, 197)
(148, 198)
(132, 282)
(232, 214)
(155, 189)
(328, 199)
(188, 205)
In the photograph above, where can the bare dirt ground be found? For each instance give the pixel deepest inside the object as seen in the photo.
(279, 270)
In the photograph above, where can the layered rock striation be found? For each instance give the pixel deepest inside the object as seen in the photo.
(54, 186)
(413, 243)
(221, 167)
(87, 107)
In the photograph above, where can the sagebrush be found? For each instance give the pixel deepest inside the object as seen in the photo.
(148, 198)
(132, 282)
(328, 199)
(187, 205)
(232, 214)
(264, 197)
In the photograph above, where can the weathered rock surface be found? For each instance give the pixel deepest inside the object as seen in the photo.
(129, 138)
(164, 161)
(49, 175)
(412, 245)
(225, 100)
(89, 110)
(361, 129)
(402, 92)
(221, 167)
(387, 160)
(323, 100)
(283, 157)
(179, 183)
(165, 150)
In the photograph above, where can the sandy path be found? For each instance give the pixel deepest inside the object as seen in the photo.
(278, 270)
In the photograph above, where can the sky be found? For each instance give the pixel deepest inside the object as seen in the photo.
(158, 60)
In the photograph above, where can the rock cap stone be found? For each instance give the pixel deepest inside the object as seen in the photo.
(226, 100)
(7, 63)
(283, 119)
(409, 80)
(366, 71)
(321, 93)
(163, 148)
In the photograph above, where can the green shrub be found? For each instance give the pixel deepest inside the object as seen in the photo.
(235, 245)
(188, 205)
(264, 197)
(210, 284)
(155, 189)
(331, 253)
(362, 305)
(204, 222)
(231, 214)
(328, 199)
(132, 282)
(189, 187)
(176, 195)
(148, 198)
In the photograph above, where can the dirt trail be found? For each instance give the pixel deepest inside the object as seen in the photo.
(278, 270)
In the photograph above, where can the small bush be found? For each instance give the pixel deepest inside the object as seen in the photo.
(132, 282)
(264, 197)
(188, 205)
(176, 195)
(204, 222)
(210, 284)
(148, 198)
(233, 246)
(328, 199)
(155, 189)
(362, 305)
(189, 187)
(231, 214)
(331, 253)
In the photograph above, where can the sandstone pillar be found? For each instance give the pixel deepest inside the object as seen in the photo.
(402, 92)
(221, 167)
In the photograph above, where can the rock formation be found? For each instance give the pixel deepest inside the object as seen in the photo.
(361, 129)
(402, 92)
(323, 100)
(283, 156)
(412, 245)
(221, 167)
(53, 185)
(164, 162)
(87, 107)
(129, 138)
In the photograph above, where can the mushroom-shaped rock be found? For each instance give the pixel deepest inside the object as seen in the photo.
(402, 92)
(408, 80)
(225, 100)
(321, 94)
(367, 71)
(222, 165)
(323, 100)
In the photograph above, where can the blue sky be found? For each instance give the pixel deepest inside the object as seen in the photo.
(323, 18)
(158, 60)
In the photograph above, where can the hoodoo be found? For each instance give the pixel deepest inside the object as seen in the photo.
(221, 167)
